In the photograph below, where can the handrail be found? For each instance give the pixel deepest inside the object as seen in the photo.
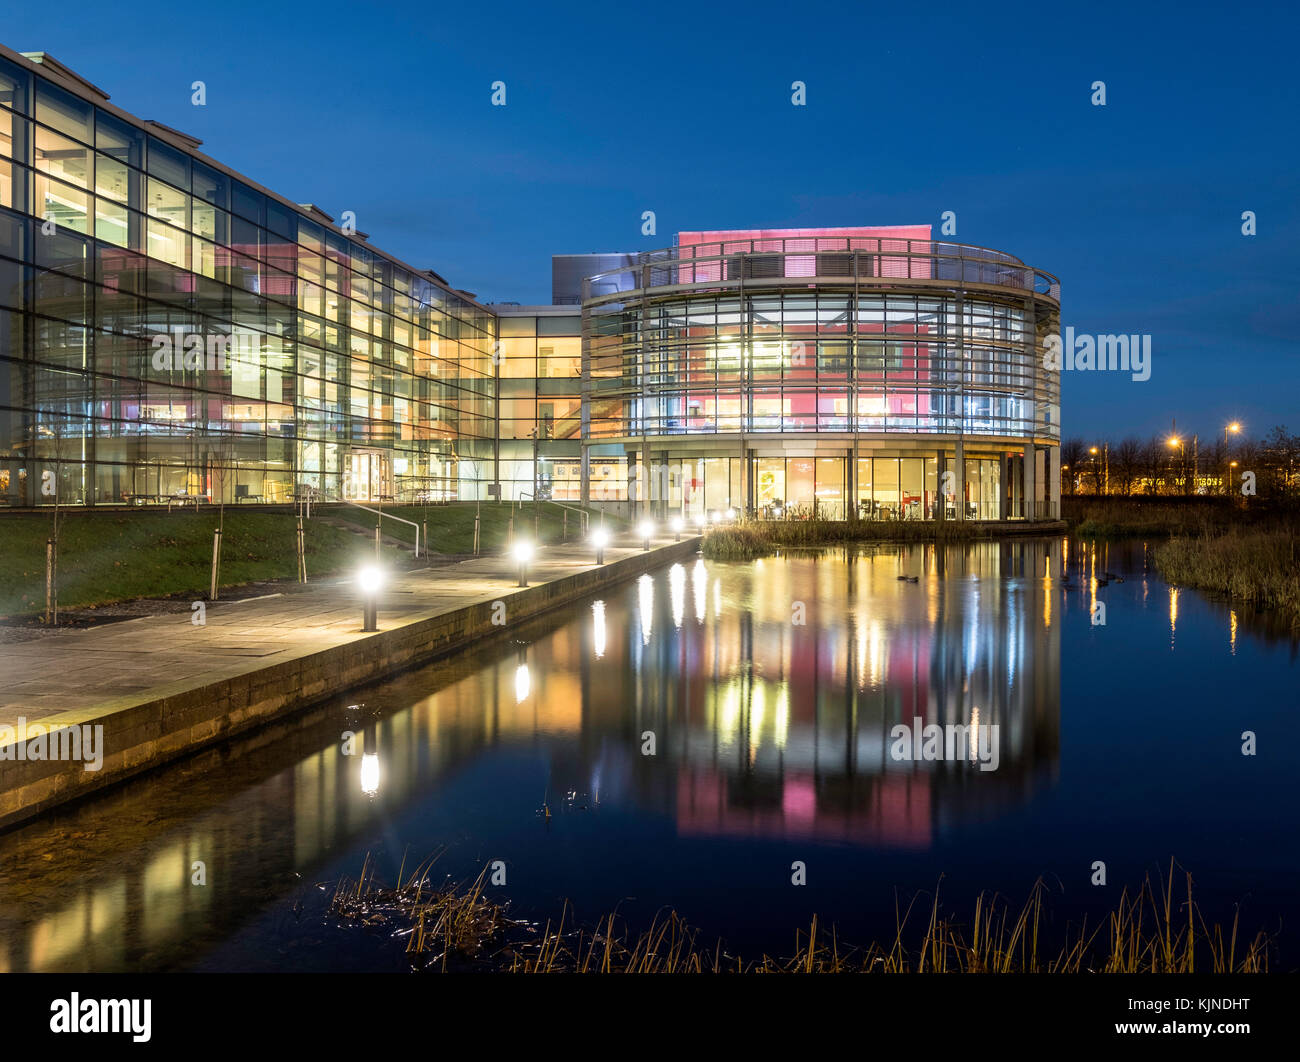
(400, 519)
(814, 245)
(828, 258)
(584, 517)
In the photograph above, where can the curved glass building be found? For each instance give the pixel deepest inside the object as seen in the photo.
(172, 330)
(871, 369)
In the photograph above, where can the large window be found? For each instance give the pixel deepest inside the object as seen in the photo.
(797, 363)
(235, 346)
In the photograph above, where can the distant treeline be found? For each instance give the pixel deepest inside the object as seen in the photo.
(1185, 464)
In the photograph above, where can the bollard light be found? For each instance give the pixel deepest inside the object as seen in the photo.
(523, 553)
(370, 579)
(715, 516)
(701, 520)
(731, 514)
(646, 530)
(676, 525)
(600, 539)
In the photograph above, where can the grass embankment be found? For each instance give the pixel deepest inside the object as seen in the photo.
(451, 527)
(113, 556)
(759, 538)
(1150, 931)
(1260, 568)
(107, 557)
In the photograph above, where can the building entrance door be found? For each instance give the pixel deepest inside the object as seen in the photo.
(367, 476)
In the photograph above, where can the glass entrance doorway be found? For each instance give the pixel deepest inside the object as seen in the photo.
(367, 476)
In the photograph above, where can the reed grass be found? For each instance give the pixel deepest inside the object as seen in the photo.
(1137, 516)
(759, 538)
(1261, 569)
(736, 543)
(442, 923)
(1150, 930)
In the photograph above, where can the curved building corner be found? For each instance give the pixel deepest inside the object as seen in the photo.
(867, 370)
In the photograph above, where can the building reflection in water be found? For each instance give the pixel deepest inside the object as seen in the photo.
(771, 689)
(779, 716)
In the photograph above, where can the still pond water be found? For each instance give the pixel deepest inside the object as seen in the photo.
(1119, 742)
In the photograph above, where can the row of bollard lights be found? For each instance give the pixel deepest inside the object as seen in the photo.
(370, 578)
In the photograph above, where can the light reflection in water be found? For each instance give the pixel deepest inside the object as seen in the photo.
(766, 728)
(646, 600)
(370, 773)
(598, 628)
(768, 732)
(677, 591)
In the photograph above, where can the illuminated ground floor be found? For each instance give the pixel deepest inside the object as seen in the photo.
(877, 478)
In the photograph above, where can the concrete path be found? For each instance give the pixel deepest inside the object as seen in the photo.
(82, 669)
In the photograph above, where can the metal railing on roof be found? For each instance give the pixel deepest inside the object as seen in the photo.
(869, 260)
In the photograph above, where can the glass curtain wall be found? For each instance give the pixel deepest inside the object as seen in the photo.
(899, 488)
(539, 388)
(718, 364)
(167, 330)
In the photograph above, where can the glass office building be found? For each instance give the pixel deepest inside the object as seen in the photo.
(837, 371)
(169, 329)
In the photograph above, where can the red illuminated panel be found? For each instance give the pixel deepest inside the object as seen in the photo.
(873, 232)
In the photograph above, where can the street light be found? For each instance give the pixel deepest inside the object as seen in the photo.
(1103, 482)
(370, 579)
(646, 529)
(1176, 443)
(676, 526)
(523, 553)
(600, 539)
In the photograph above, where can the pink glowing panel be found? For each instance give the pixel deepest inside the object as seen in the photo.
(888, 244)
(838, 235)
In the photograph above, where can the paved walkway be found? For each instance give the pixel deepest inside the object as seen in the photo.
(82, 669)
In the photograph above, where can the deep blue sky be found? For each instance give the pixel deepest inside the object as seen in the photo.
(685, 109)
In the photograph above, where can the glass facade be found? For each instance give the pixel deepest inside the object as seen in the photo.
(887, 378)
(819, 362)
(539, 404)
(167, 329)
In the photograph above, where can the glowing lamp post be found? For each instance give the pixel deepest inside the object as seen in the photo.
(676, 525)
(600, 539)
(370, 579)
(522, 551)
(646, 530)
